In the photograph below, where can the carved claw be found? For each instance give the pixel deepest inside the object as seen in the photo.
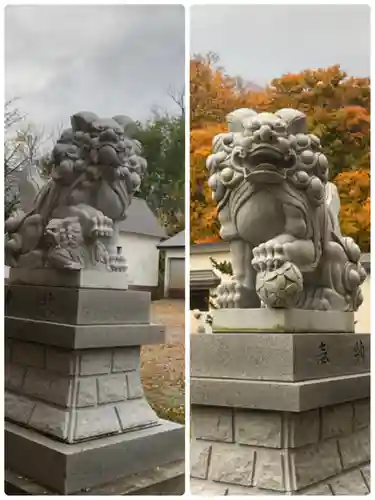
(102, 226)
(268, 256)
(232, 294)
(117, 263)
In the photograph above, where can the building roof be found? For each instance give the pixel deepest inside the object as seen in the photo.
(141, 220)
(217, 246)
(176, 241)
(203, 278)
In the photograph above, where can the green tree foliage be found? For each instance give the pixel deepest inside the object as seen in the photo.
(163, 187)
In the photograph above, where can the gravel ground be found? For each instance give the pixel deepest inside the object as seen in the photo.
(163, 366)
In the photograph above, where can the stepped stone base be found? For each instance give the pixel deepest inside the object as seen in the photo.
(323, 451)
(77, 417)
(85, 278)
(280, 405)
(162, 480)
(281, 320)
(74, 395)
(354, 482)
(69, 468)
(282, 357)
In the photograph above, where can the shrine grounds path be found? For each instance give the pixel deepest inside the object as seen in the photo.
(163, 366)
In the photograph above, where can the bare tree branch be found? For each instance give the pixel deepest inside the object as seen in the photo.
(178, 97)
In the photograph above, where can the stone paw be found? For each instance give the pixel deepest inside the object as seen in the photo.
(102, 226)
(117, 263)
(268, 256)
(232, 294)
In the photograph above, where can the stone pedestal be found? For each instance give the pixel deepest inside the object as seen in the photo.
(76, 415)
(279, 411)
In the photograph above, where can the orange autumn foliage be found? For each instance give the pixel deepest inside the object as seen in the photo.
(203, 219)
(338, 111)
(354, 188)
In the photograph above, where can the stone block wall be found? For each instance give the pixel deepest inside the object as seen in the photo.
(75, 395)
(324, 451)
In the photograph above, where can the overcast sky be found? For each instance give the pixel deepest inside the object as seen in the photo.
(106, 59)
(263, 42)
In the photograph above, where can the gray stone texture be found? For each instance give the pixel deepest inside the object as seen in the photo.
(269, 470)
(76, 395)
(362, 413)
(75, 386)
(231, 464)
(281, 320)
(355, 448)
(337, 420)
(91, 463)
(126, 359)
(87, 392)
(28, 354)
(301, 428)
(200, 455)
(86, 278)
(298, 403)
(199, 487)
(315, 463)
(320, 490)
(167, 479)
(96, 421)
(278, 356)
(77, 306)
(351, 483)
(366, 474)
(50, 420)
(281, 396)
(18, 408)
(213, 424)
(134, 385)
(15, 375)
(258, 428)
(135, 414)
(95, 362)
(82, 336)
(310, 452)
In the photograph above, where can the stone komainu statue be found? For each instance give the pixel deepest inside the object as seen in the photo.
(281, 217)
(71, 220)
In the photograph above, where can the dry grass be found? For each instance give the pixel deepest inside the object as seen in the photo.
(163, 366)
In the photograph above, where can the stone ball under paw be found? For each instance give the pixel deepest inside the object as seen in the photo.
(281, 287)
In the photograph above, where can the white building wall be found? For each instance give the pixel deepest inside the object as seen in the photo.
(142, 256)
(173, 253)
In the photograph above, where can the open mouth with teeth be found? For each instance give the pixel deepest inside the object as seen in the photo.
(268, 163)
